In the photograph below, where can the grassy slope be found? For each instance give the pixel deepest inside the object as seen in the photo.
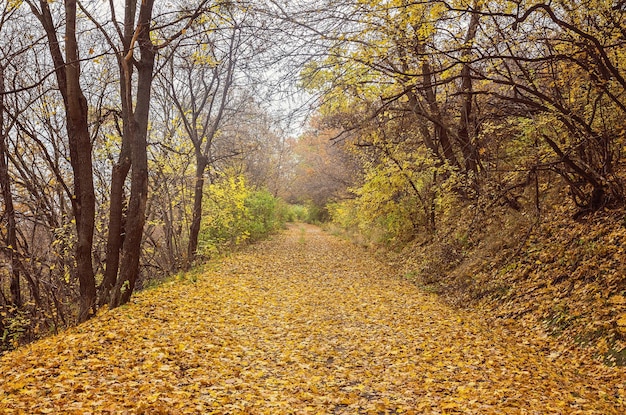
(557, 275)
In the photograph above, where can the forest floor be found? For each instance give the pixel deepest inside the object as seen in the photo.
(305, 323)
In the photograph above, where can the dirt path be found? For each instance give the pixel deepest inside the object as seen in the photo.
(303, 324)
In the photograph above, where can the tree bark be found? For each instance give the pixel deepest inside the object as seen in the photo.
(115, 233)
(137, 120)
(196, 219)
(423, 127)
(203, 142)
(115, 237)
(67, 71)
(440, 128)
(80, 156)
(468, 146)
(9, 209)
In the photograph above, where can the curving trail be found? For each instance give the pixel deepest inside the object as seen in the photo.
(303, 324)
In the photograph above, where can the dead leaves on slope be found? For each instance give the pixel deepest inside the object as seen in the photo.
(292, 327)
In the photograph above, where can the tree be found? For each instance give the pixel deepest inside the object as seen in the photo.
(474, 100)
(205, 81)
(137, 34)
(560, 62)
(135, 110)
(325, 169)
(5, 180)
(38, 171)
(67, 71)
(76, 131)
(407, 59)
(199, 82)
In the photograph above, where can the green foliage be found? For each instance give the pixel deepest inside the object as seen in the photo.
(308, 213)
(235, 214)
(316, 214)
(263, 214)
(403, 195)
(15, 325)
(398, 83)
(296, 213)
(224, 215)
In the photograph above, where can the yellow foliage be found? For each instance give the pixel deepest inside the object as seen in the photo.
(225, 214)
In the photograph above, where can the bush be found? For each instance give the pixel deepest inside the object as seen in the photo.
(15, 324)
(295, 213)
(235, 214)
(316, 214)
(263, 215)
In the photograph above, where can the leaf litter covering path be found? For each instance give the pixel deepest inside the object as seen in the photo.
(303, 324)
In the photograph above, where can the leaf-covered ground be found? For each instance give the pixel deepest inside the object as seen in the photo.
(303, 324)
(549, 274)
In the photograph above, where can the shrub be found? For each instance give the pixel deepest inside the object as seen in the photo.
(234, 214)
(263, 215)
(296, 213)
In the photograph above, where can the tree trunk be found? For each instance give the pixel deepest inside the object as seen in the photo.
(115, 237)
(67, 71)
(9, 210)
(115, 231)
(131, 250)
(194, 229)
(468, 146)
(440, 129)
(423, 127)
(137, 120)
(84, 201)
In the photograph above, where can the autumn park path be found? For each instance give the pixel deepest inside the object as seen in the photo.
(303, 324)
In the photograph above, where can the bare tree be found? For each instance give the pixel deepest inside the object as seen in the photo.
(135, 53)
(199, 83)
(67, 71)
